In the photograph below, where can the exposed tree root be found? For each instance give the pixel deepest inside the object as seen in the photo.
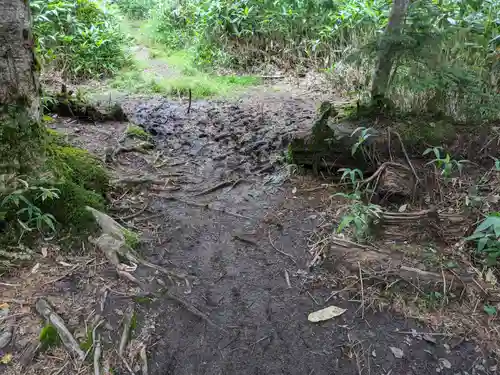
(127, 327)
(47, 312)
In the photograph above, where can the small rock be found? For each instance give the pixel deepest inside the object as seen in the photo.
(398, 353)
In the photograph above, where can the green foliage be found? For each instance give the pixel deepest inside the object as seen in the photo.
(19, 202)
(136, 9)
(486, 236)
(131, 238)
(81, 180)
(360, 216)
(353, 175)
(446, 59)
(490, 310)
(446, 164)
(78, 38)
(137, 131)
(363, 135)
(49, 337)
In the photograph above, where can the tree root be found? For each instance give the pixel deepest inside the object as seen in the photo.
(144, 359)
(127, 326)
(221, 185)
(202, 205)
(47, 312)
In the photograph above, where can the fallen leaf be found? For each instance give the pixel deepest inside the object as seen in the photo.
(445, 363)
(398, 353)
(6, 359)
(490, 277)
(294, 190)
(403, 208)
(325, 314)
(44, 252)
(374, 354)
(35, 268)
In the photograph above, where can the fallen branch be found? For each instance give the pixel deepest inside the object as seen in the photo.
(46, 311)
(201, 205)
(135, 214)
(142, 147)
(221, 185)
(127, 325)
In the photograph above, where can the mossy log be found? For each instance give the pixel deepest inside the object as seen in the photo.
(66, 104)
(327, 145)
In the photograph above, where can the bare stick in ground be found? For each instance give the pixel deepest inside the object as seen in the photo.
(47, 312)
(189, 105)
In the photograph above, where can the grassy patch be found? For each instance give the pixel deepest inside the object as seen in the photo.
(172, 73)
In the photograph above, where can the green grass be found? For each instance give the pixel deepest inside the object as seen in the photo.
(173, 73)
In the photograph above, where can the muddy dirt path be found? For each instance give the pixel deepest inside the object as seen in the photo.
(238, 225)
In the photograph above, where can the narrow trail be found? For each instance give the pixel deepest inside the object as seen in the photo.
(234, 222)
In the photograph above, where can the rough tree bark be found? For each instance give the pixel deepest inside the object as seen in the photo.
(21, 134)
(385, 59)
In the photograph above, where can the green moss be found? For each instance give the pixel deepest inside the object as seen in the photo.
(426, 132)
(131, 238)
(22, 138)
(137, 131)
(82, 181)
(79, 166)
(49, 337)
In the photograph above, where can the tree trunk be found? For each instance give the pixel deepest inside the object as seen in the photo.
(21, 134)
(385, 59)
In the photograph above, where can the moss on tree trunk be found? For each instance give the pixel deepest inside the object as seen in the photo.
(21, 134)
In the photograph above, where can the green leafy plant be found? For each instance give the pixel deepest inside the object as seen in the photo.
(355, 176)
(78, 38)
(359, 217)
(49, 337)
(490, 310)
(445, 163)
(486, 236)
(19, 195)
(363, 134)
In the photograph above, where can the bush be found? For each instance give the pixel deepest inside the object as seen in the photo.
(447, 58)
(78, 38)
(136, 9)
